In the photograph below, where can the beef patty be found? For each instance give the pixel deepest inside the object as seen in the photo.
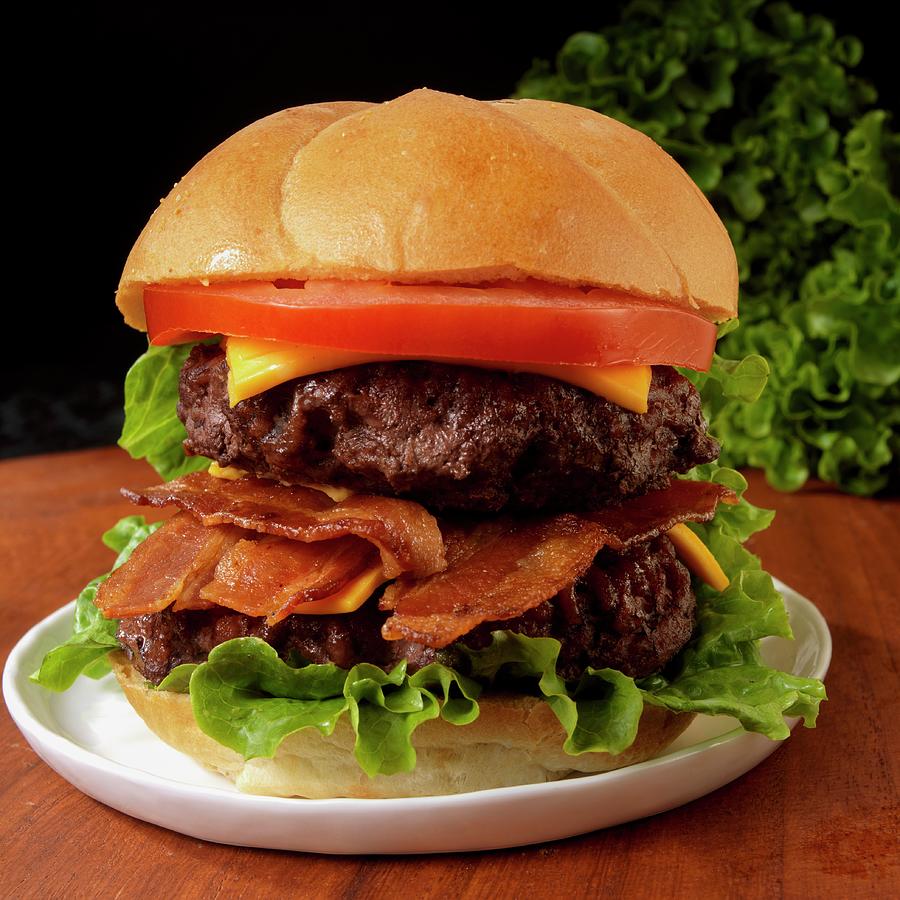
(631, 611)
(451, 437)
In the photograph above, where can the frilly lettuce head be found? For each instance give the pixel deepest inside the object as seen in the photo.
(760, 105)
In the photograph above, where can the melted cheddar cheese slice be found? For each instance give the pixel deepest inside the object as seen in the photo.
(697, 557)
(348, 600)
(255, 366)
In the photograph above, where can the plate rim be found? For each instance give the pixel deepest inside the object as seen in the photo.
(26, 720)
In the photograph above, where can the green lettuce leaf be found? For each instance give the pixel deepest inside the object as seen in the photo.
(720, 672)
(250, 700)
(93, 636)
(384, 710)
(152, 430)
(761, 105)
(599, 713)
(178, 680)
(731, 379)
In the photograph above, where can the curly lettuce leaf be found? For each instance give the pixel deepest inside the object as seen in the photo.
(731, 379)
(600, 713)
(760, 104)
(93, 636)
(250, 700)
(720, 672)
(384, 710)
(152, 429)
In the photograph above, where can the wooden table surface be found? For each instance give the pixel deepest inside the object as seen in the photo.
(819, 818)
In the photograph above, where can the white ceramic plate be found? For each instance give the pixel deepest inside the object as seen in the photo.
(91, 736)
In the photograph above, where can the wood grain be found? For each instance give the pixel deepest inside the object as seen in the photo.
(818, 818)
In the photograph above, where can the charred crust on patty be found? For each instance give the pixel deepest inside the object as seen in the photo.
(451, 437)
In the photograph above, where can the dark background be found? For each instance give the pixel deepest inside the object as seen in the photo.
(122, 100)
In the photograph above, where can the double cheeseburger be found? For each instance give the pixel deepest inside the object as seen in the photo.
(412, 383)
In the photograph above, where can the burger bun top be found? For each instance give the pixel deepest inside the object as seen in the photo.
(434, 187)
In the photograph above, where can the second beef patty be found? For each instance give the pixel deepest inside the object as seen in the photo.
(632, 611)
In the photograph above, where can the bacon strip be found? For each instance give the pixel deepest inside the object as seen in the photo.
(502, 568)
(272, 576)
(188, 565)
(644, 518)
(406, 535)
(171, 566)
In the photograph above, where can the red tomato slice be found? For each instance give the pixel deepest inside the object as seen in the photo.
(515, 322)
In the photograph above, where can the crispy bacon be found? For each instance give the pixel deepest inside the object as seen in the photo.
(499, 570)
(171, 566)
(644, 518)
(272, 576)
(188, 565)
(406, 535)
(502, 568)
(496, 569)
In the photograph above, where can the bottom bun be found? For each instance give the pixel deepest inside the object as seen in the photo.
(515, 740)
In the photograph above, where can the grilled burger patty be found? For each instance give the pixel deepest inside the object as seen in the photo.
(631, 611)
(450, 437)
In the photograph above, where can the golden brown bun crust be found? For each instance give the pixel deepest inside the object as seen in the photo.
(437, 187)
(515, 740)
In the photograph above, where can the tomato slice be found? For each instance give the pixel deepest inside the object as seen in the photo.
(532, 322)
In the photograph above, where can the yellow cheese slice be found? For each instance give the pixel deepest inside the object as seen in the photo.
(229, 473)
(697, 557)
(348, 600)
(233, 473)
(330, 490)
(255, 366)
